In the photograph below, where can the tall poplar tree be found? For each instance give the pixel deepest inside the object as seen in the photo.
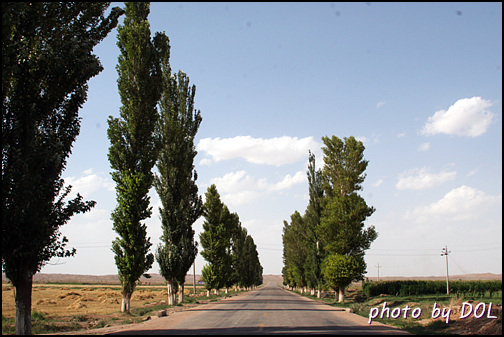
(327, 245)
(134, 147)
(295, 251)
(342, 224)
(312, 218)
(216, 240)
(176, 182)
(246, 267)
(47, 61)
(252, 274)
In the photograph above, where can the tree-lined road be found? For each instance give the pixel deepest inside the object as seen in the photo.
(269, 310)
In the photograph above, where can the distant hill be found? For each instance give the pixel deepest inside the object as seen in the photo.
(158, 279)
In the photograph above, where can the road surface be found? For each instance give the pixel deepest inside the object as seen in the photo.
(269, 310)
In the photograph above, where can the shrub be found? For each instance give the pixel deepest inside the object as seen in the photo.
(411, 287)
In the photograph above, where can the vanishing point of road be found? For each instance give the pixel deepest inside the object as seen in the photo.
(268, 310)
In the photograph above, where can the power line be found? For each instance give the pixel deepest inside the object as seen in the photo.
(453, 260)
(425, 249)
(407, 264)
(401, 254)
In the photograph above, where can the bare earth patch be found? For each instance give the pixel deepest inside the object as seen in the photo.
(90, 308)
(471, 325)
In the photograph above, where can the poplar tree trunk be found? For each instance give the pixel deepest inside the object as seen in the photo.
(23, 303)
(171, 293)
(181, 293)
(126, 301)
(341, 296)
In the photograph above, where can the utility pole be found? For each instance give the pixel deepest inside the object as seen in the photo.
(445, 253)
(194, 268)
(378, 266)
(194, 276)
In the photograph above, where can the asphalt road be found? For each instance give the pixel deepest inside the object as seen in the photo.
(269, 310)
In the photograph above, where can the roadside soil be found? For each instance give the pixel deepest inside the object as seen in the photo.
(94, 309)
(471, 325)
(89, 307)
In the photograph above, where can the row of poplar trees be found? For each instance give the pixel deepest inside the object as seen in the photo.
(325, 247)
(156, 126)
(47, 60)
(230, 252)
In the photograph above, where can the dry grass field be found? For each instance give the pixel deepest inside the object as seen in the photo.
(81, 299)
(78, 299)
(72, 307)
(89, 302)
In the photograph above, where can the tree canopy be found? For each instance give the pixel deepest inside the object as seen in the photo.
(47, 61)
(326, 246)
(134, 146)
(230, 252)
(176, 181)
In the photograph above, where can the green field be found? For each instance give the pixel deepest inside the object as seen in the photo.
(424, 323)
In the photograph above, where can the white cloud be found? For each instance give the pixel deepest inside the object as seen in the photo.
(274, 151)
(380, 104)
(88, 183)
(460, 204)
(375, 139)
(424, 147)
(289, 181)
(205, 162)
(239, 187)
(378, 183)
(422, 179)
(467, 117)
(473, 172)
(363, 139)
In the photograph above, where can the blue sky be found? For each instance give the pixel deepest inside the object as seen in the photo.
(419, 83)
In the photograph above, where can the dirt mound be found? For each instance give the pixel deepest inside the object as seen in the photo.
(471, 325)
(479, 326)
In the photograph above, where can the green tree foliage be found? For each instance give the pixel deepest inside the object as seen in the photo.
(239, 257)
(333, 224)
(295, 250)
(340, 270)
(210, 275)
(216, 238)
(253, 268)
(230, 252)
(344, 165)
(415, 287)
(342, 223)
(47, 61)
(246, 266)
(176, 182)
(233, 226)
(342, 227)
(134, 147)
(312, 217)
